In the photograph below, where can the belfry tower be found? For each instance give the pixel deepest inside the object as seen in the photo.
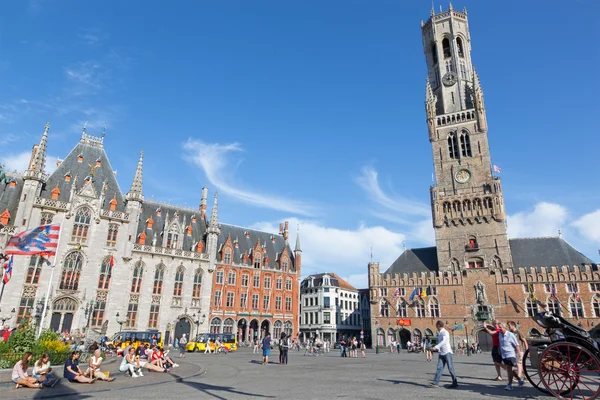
(466, 202)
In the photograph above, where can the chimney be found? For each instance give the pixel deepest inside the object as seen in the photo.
(203, 202)
(281, 229)
(285, 231)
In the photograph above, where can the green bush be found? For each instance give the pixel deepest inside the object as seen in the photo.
(24, 340)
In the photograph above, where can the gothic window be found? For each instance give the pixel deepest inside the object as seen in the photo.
(576, 307)
(71, 271)
(197, 288)
(172, 238)
(456, 208)
(245, 279)
(153, 317)
(219, 277)
(596, 306)
(434, 56)
(231, 278)
(159, 275)
(136, 281)
(34, 270)
(284, 264)
(266, 302)
(105, 273)
(288, 304)
(402, 310)
(46, 219)
(446, 47)
(384, 309)
(532, 307)
(453, 146)
(420, 308)
(25, 307)
(554, 306)
(98, 314)
(465, 144)
(228, 326)
(459, 45)
(472, 243)
(111, 238)
(257, 260)
(487, 202)
(434, 308)
(81, 225)
(178, 287)
(215, 325)
(497, 263)
(475, 263)
(278, 303)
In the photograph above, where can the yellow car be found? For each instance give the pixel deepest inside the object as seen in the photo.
(199, 343)
(135, 338)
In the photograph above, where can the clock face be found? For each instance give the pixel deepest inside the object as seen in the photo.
(449, 79)
(462, 176)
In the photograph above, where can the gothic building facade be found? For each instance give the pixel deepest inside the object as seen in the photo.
(474, 273)
(124, 262)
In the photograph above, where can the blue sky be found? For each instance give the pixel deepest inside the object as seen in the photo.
(309, 111)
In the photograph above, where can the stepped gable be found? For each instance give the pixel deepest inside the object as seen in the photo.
(159, 213)
(422, 259)
(10, 195)
(545, 252)
(246, 244)
(91, 151)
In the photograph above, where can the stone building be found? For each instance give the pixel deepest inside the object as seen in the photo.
(123, 262)
(474, 273)
(329, 307)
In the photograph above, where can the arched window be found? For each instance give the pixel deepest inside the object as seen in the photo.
(434, 308)
(288, 328)
(136, 282)
(459, 45)
(402, 310)
(532, 307)
(34, 270)
(227, 256)
(159, 275)
(576, 307)
(453, 146)
(105, 273)
(81, 225)
(215, 325)
(277, 328)
(111, 238)
(228, 326)
(380, 337)
(284, 263)
(71, 271)
(553, 306)
(428, 332)
(465, 144)
(46, 218)
(446, 47)
(434, 56)
(384, 310)
(231, 278)
(173, 237)
(417, 336)
(420, 308)
(596, 306)
(497, 263)
(475, 263)
(178, 287)
(197, 288)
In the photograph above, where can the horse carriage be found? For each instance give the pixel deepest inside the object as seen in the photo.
(565, 363)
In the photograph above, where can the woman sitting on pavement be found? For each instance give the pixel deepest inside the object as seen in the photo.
(130, 364)
(144, 363)
(19, 373)
(41, 371)
(72, 371)
(94, 369)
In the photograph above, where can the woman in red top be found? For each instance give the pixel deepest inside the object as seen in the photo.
(496, 356)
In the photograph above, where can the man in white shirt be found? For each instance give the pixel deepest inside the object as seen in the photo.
(445, 356)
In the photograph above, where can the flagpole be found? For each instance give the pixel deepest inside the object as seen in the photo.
(50, 281)
(2, 291)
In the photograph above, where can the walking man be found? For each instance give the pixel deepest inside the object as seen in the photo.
(444, 356)
(509, 348)
(266, 348)
(512, 326)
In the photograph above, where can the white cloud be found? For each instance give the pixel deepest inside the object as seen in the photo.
(213, 158)
(344, 251)
(369, 181)
(545, 220)
(589, 226)
(85, 73)
(20, 162)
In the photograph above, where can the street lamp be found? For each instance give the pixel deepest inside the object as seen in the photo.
(119, 322)
(197, 321)
(4, 319)
(89, 309)
(377, 337)
(39, 310)
(467, 334)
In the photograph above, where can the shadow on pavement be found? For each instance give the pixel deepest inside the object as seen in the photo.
(486, 390)
(207, 389)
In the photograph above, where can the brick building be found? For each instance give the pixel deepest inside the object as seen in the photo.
(255, 284)
(474, 273)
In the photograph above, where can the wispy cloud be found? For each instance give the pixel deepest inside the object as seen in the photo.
(8, 138)
(214, 159)
(85, 73)
(19, 162)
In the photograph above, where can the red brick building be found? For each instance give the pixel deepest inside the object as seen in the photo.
(255, 286)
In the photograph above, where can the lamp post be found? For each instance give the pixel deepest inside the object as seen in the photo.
(89, 309)
(467, 335)
(39, 310)
(119, 322)
(376, 337)
(197, 321)
(4, 319)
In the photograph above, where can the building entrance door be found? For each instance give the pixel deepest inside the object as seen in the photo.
(183, 326)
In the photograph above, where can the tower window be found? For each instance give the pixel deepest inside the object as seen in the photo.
(446, 47)
(453, 146)
(459, 44)
(452, 98)
(434, 56)
(465, 144)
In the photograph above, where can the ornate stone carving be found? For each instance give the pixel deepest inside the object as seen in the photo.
(134, 298)
(29, 291)
(101, 296)
(156, 299)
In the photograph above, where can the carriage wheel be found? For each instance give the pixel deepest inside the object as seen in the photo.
(532, 373)
(569, 370)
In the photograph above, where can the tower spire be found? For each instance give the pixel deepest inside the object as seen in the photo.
(298, 248)
(38, 156)
(213, 225)
(135, 192)
(478, 102)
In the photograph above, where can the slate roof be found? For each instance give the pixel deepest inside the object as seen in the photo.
(91, 152)
(274, 243)
(334, 280)
(10, 196)
(526, 252)
(160, 224)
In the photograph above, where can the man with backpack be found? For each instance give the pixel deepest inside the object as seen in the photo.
(284, 346)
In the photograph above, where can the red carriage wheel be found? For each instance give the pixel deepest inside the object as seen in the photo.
(531, 371)
(571, 371)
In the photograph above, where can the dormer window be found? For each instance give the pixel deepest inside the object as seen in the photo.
(55, 193)
(80, 158)
(98, 162)
(158, 211)
(142, 238)
(227, 256)
(67, 177)
(257, 260)
(472, 244)
(149, 223)
(199, 247)
(475, 263)
(189, 230)
(113, 204)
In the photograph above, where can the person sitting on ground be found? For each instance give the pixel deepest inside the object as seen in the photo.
(72, 371)
(168, 360)
(19, 373)
(129, 364)
(93, 347)
(157, 357)
(144, 363)
(81, 347)
(41, 371)
(94, 367)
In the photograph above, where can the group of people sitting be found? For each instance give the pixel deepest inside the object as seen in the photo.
(153, 359)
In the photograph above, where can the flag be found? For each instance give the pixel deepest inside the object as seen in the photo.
(112, 261)
(414, 293)
(553, 290)
(397, 293)
(531, 295)
(576, 291)
(7, 270)
(40, 240)
(497, 169)
(423, 293)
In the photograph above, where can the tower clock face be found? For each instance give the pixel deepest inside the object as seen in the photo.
(462, 176)
(449, 79)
